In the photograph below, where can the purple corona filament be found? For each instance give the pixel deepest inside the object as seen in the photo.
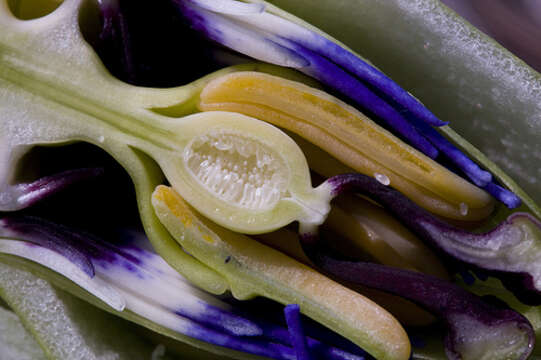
(27, 194)
(500, 253)
(39, 232)
(339, 80)
(296, 331)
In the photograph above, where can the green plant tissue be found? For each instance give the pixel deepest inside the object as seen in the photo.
(15, 342)
(67, 327)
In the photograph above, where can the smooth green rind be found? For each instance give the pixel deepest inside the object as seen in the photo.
(489, 96)
(15, 342)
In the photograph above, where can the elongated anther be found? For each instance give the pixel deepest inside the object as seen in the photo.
(326, 165)
(254, 269)
(369, 229)
(340, 130)
(335, 78)
(475, 329)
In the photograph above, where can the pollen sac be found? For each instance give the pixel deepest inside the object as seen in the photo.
(237, 169)
(349, 137)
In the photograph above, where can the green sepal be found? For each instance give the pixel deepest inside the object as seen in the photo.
(16, 343)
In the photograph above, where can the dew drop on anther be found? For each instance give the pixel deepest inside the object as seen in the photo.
(382, 179)
(237, 169)
(158, 352)
(464, 209)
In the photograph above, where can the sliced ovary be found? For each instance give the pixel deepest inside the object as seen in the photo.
(350, 137)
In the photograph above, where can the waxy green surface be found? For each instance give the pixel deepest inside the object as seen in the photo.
(16, 343)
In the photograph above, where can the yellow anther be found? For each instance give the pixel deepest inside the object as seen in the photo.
(260, 270)
(347, 135)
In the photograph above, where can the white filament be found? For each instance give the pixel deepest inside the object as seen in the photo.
(278, 26)
(230, 7)
(248, 40)
(63, 266)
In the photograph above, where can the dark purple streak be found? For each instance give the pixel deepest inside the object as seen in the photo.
(457, 157)
(49, 185)
(451, 242)
(40, 232)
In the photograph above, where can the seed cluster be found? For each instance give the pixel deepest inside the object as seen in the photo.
(237, 169)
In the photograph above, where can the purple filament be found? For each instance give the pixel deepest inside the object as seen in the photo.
(296, 331)
(442, 236)
(49, 185)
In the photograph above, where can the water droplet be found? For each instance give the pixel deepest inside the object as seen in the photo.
(101, 139)
(464, 209)
(158, 352)
(382, 179)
